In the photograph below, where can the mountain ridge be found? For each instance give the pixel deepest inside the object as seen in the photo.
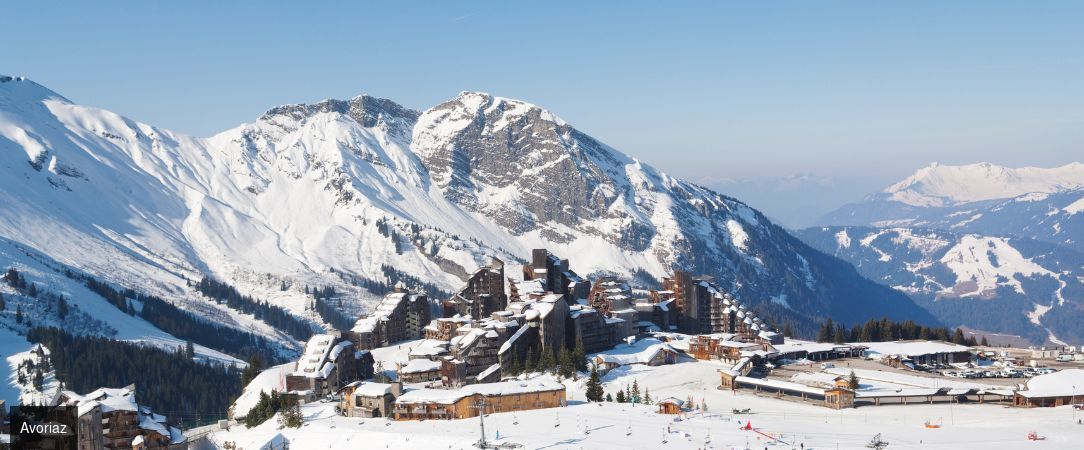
(340, 191)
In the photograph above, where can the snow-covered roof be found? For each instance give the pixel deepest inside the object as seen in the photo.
(508, 344)
(671, 401)
(794, 346)
(319, 351)
(640, 352)
(1065, 383)
(382, 311)
(913, 348)
(108, 399)
(420, 366)
(369, 389)
(779, 384)
(446, 396)
(429, 347)
(489, 371)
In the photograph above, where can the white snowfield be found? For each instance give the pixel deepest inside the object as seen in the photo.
(624, 426)
(943, 185)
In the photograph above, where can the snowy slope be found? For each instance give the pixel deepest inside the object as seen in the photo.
(624, 426)
(342, 192)
(1004, 284)
(1042, 204)
(941, 185)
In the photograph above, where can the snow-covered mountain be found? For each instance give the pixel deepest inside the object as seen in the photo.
(1041, 204)
(1001, 284)
(348, 193)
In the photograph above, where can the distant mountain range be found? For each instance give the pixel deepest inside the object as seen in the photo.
(363, 192)
(989, 247)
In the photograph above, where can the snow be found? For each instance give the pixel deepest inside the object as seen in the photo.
(965, 426)
(943, 185)
(1074, 207)
(640, 352)
(27, 394)
(270, 379)
(912, 348)
(779, 384)
(1064, 383)
(420, 366)
(738, 236)
(446, 396)
(370, 389)
(985, 261)
(843, 239)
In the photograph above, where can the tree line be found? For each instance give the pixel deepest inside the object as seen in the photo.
(168, 382)
(885, 330)
(565, 363)
(272, 315)
(181, 324)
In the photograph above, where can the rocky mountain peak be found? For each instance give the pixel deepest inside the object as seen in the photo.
(364, 109)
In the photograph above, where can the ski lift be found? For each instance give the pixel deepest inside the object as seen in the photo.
(877, 443)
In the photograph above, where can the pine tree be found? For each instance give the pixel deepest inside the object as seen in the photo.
(291, 416)
(189, 350)
(3, 304)
(984, 343)
(547, 362)
(19, 314)
(253, 369)
(594, 387)
(579, 356)
(628, 393)
(825, 332)
(609, 397)
(787, 330)
(530, 364)
(635, 391)
(62, 307)
(852, 382)
(514, 368)
(958, 337)
(565, 368)
(620, 396)
(39, 379)
(840, 334)
(647, 397)
(32, 290)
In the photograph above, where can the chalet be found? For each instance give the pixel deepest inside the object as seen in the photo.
(725, 348)
(469, 401)
(648, 352)
(444, 328)
(327, 363)
(400, 316)
(670, 405)
(111, 419)
(367, 399)
(1056, 389)
(839, 397)
(419, 371)
(475, 350)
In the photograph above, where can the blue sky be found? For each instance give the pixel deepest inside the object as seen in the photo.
(864, 91)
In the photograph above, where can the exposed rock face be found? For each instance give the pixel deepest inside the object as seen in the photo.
(339, 191)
